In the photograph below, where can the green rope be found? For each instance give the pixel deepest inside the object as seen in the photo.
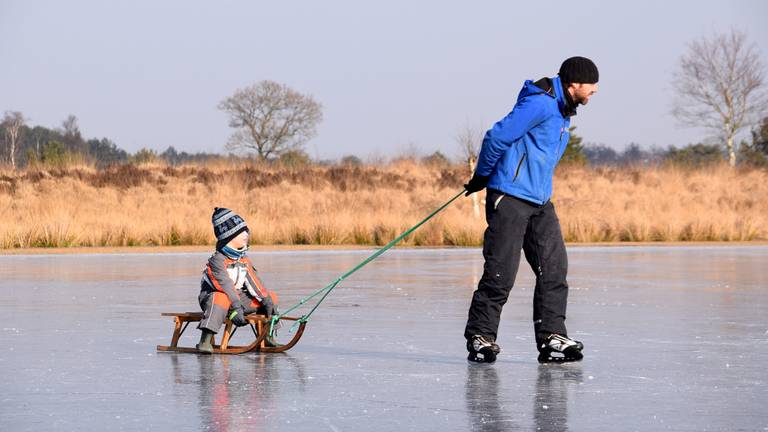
(328, 288)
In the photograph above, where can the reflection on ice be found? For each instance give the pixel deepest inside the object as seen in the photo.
(486, 411)
(554, 382)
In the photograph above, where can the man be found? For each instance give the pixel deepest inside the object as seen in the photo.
(516, 163)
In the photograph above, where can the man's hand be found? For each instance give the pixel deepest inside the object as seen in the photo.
(476, 184)
(237, 316)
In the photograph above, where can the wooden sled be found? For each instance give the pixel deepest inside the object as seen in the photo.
(258, 324)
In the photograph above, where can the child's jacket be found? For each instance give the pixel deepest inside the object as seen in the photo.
(227, 275)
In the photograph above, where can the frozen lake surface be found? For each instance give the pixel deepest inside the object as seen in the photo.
(676, 338)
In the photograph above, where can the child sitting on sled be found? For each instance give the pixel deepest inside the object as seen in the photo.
(230, 286)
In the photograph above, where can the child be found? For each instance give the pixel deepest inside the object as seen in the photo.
(230, 286)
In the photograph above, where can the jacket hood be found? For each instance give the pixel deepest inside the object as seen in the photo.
(532, 88)
(552, 87)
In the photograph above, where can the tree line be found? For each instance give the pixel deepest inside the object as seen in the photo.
(23, 146)
(65, 146)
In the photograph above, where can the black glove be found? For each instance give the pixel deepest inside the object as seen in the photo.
(270, 308)
(476, 184)
(237, 316)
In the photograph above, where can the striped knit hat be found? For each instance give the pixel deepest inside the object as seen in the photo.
(226, 225)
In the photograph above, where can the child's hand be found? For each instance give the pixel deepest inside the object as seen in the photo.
(238, 316)
(269, 306)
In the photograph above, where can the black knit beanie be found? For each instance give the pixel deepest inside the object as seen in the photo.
(579, 70)
(226, 225)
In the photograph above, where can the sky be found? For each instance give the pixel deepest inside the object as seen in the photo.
(393, 77)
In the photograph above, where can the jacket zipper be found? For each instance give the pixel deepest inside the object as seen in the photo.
(562, 131)
(519, 164)
(237, 278)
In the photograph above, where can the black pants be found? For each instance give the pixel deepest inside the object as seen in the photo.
(515, 225)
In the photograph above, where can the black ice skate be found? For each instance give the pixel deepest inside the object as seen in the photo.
(482, 349)
(556, 348)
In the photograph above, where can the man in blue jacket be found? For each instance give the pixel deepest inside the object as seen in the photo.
(516, 164)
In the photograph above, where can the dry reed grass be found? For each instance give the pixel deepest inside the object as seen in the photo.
(715, 203)
(157, 205)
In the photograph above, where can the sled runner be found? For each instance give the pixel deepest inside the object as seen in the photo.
(258, 324)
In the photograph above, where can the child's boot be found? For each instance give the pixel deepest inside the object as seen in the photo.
(206, 346)
(270, 342)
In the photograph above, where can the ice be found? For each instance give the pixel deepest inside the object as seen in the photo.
(670, 336)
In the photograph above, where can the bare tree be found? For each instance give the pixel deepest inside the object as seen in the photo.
(12, 124)
(72, 136)
(469, 139)
(70, 127)
(271, 118)
(719, 86)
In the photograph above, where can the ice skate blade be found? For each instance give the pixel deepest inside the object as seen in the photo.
(569, 358)
(482, 356)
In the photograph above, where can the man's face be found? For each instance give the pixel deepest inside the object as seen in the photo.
(582, 92)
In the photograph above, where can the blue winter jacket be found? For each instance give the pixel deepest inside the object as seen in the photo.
(519, 152)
